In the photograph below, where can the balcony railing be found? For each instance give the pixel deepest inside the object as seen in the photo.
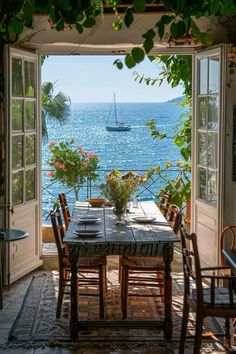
(50, 190)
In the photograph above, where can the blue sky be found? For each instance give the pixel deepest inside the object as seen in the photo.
(95, 78)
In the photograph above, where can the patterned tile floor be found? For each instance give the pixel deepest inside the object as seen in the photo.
(12, 301)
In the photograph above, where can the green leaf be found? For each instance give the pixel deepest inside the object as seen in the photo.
(129, 18)
(148, 44)
(118, 64)
(79, 27)
(138, 54)
(129, 61)
(16, 26)
(161, 29)
(214, 7)
(165, 19)
(80, 17)
(178, 29)
(89, 22)
(139, 5)
(60, 24)
(27, 13)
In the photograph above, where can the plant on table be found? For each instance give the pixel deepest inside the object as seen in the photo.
(118, 188)
(71, 164)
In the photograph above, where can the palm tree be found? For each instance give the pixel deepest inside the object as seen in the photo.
(55, 108)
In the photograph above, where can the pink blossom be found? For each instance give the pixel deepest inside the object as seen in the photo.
(72, 140)
(79, 148)
(90, 154)
(57, 163)
(49, 173)
(83, 154)
(51, 143)
(62, 166)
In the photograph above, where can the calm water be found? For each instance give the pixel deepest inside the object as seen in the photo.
(131, 150)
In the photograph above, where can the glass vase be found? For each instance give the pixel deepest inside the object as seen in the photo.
(120, 215)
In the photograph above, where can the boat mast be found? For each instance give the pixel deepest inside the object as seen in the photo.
(115, 108)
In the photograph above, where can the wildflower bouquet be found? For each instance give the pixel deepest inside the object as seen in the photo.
(71, 164)
(118, 188)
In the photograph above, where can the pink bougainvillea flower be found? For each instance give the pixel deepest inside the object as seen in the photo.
(57, 163)
(90, 154)
(49, 173)
(83, 154)
(51, 143)
(62, 166)
(72, 140)
(79, 148)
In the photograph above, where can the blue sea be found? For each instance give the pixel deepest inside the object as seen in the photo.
(130, 150)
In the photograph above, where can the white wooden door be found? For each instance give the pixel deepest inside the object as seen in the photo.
(208, 149)
(23, 161)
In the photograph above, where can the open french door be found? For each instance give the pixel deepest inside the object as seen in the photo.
(208, 153)
(23, 161)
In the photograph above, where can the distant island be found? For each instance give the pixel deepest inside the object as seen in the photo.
(176, 100)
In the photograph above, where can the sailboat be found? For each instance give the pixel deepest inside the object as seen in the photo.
(117, 126)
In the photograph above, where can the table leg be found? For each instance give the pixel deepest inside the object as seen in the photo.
(74, 293)
(167, 258)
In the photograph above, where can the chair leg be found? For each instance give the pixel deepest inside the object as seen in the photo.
(60, 294)
(198, 333)
(160, 282)
(184, 327)
(125, 289)
(101, 290)
(227, 333)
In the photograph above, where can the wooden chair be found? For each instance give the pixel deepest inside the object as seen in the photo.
(213, 300)
(165, 203)
(144, 272)
(94, 266)
(65, 209)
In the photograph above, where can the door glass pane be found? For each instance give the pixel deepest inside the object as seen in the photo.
(17, 151)
(203, 76)
(29, 79)
(202, 112)
(30, 184)
(30, 149)
(213, 115)
(17, 80)
(30, 115)
(17, 188)
(212, 150)
(202, 183)
(212, 187)
(214, 75)
(17, 115)
(202, 159)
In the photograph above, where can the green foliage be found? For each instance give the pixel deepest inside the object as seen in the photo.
(54, 107)
(71, 164)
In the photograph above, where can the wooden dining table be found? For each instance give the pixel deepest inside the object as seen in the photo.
(145, 232)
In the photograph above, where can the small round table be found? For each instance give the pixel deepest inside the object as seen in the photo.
(8, 235)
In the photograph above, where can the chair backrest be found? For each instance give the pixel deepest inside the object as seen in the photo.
(58, 232)
(65, 209)
(227, 239)
(165, 203)
(191, 264)
(175, 217)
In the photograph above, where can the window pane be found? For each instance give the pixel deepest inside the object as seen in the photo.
(30, 184)
(214, 75)
(213, 116)
(30, 116)
(203, 76)
(202, 159)
(212, 187)
(202, 112)
(29, 79)
(17, 80)
(30, 149)
(212, 150)
(17, 115)
(17, 188)
(17, 151)
(202, 183)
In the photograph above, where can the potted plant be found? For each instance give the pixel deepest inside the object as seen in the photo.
(71, 164)
(118, 188)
